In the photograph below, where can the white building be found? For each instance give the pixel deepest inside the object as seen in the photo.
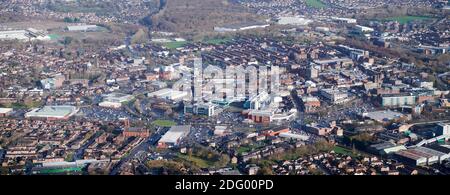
(169, 94)
(295, 20)
(84, 28)
(174, 136)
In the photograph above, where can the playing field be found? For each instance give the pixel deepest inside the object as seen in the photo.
(315, 4)
(164, 123)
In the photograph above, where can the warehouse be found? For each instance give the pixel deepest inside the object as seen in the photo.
(84, 28)
(53, 112)
(421, 156)
(174, 136)
(23, 35)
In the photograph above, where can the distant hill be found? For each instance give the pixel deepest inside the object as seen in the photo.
(195, 16)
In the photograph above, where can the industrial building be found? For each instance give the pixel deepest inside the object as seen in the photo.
(294, 21)
(53, 112)
(174, 136)
(169, 94)
(421, 156)
(29, 34)
(84, 28)
(386, 148)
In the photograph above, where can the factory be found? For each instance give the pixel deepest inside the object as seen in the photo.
(84, 28)
(296, 20)
(115, 100)
(421, 156)
(29, 34)
(169, 94)
(53, 112)
(173, 137)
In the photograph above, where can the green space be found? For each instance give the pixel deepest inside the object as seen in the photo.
(202, 163)
(53, 36)
(63, 170)
(315, 4)
(407, 19)
(175, 44)
(164, 123)
(344, 151)
(214, 41)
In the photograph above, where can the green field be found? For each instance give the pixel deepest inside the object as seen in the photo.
(164, 123)
(217, 41)
(197, 161)
(344, 151)
(63, 170)
(407, 19)
(315, 4)
(53, 36)
(175, 44)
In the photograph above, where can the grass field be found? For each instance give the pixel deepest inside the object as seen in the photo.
(63, 170)
(164, 123)
(345, 151)
(53, 36)
(406, 19)
(217, 41)
(175, 44)
(197, 161)
(315, 4)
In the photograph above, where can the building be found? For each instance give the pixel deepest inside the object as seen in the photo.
(443, 129)
(84, 28)
(387, 148)
(205, 109)
(290, 135)
(4, 112)
(174, 136)
(294, 21)
(169, 94)
(53, 83)
(334, 96)
(397, 100)
(136, 132)
(421, 156)
(29, 34)
(383, 115)
(310, 103)
(115, 100)
(53, 112)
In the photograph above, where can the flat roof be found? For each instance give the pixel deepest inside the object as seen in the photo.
(5, 110)
(383, 115)
(52, 111)
(175, 133)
